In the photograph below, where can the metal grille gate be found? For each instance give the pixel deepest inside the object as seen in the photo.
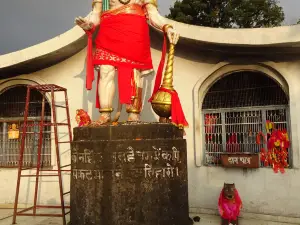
(12, 104)
(236, 109)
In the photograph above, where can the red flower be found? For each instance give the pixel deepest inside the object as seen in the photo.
(278, 144)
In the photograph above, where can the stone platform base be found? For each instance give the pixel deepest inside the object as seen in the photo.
(129, 174)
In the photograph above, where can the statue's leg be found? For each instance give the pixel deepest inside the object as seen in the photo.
(134, 109)
(106, 92)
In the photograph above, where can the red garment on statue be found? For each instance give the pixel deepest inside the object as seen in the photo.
(123, 41)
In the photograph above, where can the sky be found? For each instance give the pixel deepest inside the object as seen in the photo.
(24, 23)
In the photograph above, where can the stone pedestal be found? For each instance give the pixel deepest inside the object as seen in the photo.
(129, 174)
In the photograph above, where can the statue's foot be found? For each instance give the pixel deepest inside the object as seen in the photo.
(103, 119)
(133, 117)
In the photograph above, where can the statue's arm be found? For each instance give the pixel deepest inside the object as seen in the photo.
(96, 13)
(93, 19)
(158, 21)
(153, 15)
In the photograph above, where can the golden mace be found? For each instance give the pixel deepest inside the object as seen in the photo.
(161, 103)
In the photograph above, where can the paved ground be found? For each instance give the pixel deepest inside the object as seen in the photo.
(215, 220)
(6, 219)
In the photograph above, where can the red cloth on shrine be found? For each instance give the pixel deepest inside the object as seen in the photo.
(230, 209)
(232, 144)
(123, 41)
(177, 115)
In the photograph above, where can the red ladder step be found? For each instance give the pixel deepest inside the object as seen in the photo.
(52, 88)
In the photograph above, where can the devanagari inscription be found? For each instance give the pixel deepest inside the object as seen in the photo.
(131, 155)
(236, 160)
(163, 172)
(85, 157)
(233, 160)
(82, 174)
(245, 160)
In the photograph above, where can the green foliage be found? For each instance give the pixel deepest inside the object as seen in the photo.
(228, 13)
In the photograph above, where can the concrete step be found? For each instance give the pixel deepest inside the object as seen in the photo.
(206, 219)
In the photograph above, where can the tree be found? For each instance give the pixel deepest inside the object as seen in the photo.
(228, 13)
(298, 21)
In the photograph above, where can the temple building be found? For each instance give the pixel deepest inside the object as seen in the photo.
(231, 83)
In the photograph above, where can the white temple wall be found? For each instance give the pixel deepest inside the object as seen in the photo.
(262, 191)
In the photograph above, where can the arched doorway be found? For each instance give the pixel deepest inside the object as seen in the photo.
(236, 108)
(12, 106)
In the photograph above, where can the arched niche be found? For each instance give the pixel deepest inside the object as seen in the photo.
(236, 109)
(12, 106)
(208, 80)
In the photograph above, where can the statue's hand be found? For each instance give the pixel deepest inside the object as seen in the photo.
(83, 23)
(173, 35)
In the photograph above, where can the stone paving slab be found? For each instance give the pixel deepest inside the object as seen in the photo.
(4, 213)
(215, 220)
(6, 219)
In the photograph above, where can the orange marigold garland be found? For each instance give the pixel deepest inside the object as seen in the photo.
(277, 154)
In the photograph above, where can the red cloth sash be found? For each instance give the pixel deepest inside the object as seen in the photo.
(160, 69)
(126, 36)
(177, 115)
(89, 59)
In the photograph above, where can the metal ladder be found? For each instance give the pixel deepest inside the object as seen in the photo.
(44, 89)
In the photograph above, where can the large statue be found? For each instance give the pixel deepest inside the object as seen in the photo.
(122, 46)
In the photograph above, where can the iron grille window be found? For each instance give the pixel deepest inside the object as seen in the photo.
(236, 109)
(12, 105)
